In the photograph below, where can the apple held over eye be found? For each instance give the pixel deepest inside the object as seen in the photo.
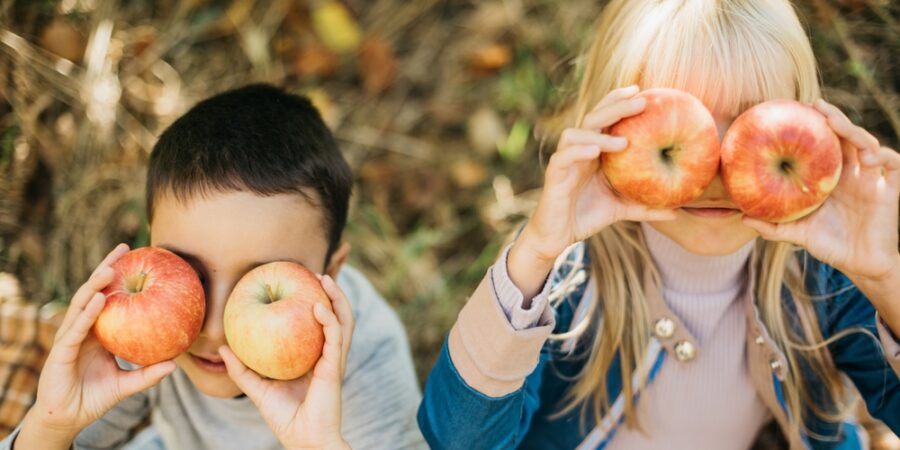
(154, 308)
(672, 153)
(269, 322)
(780, 160)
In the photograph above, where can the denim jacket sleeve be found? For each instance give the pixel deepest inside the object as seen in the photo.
(483, 390)
(871, 363)
(453, 415)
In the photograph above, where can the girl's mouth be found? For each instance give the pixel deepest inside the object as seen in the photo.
(711, 212)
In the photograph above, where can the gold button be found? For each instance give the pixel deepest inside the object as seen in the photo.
(664, 328)
(759, 340)
(685, 351)
(775, 365)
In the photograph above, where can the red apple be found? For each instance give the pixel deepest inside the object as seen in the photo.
(780, 160)
(672, 154)
(154, 307)
(269, 322)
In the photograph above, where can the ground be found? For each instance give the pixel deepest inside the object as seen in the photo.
(445, 110)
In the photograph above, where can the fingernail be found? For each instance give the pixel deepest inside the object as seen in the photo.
(632, 88)
(868, 159)
(620, 142)
(320, 309)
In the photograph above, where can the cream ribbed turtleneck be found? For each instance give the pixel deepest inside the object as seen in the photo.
(708, 402)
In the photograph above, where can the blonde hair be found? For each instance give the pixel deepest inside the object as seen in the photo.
(731, 54)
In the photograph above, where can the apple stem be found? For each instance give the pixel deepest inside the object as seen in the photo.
(140, 282)
(789, 171)
(270, 293)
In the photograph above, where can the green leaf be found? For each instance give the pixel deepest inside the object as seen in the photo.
(515, 142)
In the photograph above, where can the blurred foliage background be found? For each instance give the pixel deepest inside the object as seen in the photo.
(443, 108)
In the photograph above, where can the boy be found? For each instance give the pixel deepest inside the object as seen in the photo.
(244, 178)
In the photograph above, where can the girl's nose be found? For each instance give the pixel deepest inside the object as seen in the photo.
(722, 127)
(716, 189)
(722, 124)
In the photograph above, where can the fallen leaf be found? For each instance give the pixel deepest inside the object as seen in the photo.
(467, 173)
(326, 107)
(297, 19)
(377, 64)
(495, 18)
(336, 27)
(377, 172)
(62, 39)
(489, 59)
(144, 38)
(314, 60)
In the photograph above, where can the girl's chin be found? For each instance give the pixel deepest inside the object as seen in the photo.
(706, 237)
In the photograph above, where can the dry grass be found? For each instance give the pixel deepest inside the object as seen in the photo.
(439, 112)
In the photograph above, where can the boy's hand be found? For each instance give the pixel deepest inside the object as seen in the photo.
(305, 413)
(81, 381)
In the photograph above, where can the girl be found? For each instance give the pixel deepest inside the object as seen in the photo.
(610, 325)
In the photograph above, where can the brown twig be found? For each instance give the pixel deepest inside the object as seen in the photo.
(881, 98)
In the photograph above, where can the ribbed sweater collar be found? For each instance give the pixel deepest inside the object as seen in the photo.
(686, 272)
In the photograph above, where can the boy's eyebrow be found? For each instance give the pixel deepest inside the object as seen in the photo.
(247, 268)
(256, 264)
(184, 255)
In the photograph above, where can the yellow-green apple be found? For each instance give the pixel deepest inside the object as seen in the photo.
(154, 307)
(672, 153)
(269, 322)
(780, 160)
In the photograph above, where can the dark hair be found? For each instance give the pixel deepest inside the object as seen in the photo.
(259, 139)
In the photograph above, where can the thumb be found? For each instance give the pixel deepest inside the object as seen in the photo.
(328, 368)
(783, 232)
(245, 379)
(137, 380)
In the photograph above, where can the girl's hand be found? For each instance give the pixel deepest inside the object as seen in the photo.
(855, 230)
(81, 381)
(576, 201)
(305, 413)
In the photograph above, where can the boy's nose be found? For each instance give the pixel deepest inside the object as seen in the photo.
(213, 325)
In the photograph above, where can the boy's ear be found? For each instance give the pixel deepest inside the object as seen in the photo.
(337, 260)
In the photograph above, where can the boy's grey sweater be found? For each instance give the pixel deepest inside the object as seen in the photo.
(380, 397)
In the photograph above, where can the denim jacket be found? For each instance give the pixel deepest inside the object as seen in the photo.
(495, 387)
